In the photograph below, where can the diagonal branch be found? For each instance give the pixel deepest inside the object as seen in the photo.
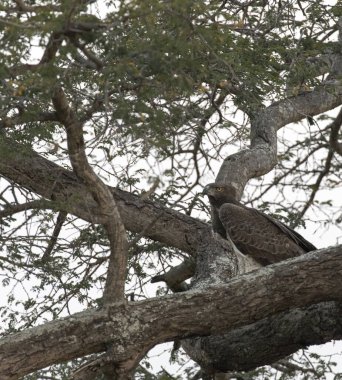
(55, 41)
(116, 276)
(45, 178)
(61, 218)
(335, 147)
(305, 280)
(176, 276)
(316, 186)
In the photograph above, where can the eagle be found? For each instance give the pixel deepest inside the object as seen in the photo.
(254, 233)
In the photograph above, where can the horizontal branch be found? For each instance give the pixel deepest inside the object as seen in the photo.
(269, 339)
(134, 327)
(10, 210)
(19, 119)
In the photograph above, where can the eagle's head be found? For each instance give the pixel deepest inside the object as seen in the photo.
(219, 194)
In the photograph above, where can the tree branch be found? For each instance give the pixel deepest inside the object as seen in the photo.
(37, 204)
(116, 275)
(239, 168)
(299, 282)
(315, 187)
(261, 158)
(62, 215)
(19, 119)
(335, 129)
(23, 7)
(34, 172)
(54, 43)
(175, 277)
(269, 339)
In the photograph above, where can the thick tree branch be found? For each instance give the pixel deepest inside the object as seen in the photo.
(172, 228)
(116, 275)
(32, 171)
(134, 327)
(269, 339)
(238, 168)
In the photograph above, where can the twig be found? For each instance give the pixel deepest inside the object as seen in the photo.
(58, 227)
(13, 209)
(316, 186)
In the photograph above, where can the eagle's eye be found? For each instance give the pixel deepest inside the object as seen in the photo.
(219, 188)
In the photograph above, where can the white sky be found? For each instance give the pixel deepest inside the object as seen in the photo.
(322, 238)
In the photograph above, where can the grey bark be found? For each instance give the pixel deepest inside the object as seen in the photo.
(213, 353)
(28, 169)
(135, 327)
(267, 340)
(261, 158)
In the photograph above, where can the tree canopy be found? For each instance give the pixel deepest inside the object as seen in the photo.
(114, 115)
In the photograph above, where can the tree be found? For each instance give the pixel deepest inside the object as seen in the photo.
(113, 117)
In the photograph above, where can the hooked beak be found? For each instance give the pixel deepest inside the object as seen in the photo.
(206, 190)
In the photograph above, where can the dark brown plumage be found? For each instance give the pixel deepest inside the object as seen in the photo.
(253, 232)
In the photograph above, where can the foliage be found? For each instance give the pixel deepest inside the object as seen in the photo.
(166, 89)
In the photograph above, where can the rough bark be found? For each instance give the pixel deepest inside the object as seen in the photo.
(261, 158)
(116, 274)
(267, 340)
(239, 168)
(28, 169)
(137, 326)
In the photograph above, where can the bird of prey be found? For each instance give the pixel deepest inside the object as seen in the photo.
(254, 233)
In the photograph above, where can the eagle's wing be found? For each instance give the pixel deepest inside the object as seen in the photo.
(261, 236)
(295, 236)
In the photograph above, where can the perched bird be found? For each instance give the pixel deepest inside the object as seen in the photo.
(254, 233)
